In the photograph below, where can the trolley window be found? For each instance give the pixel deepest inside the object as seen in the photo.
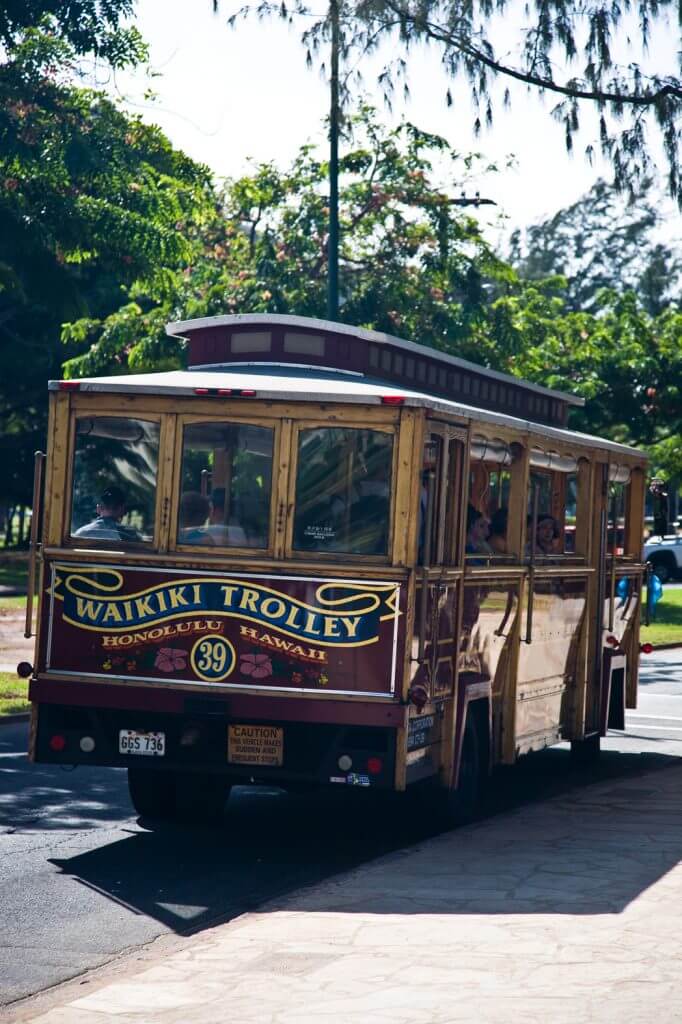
(114, 480)
(618, 509)
(487, 530)
(226, 485)
(343, 488)
(553, 493)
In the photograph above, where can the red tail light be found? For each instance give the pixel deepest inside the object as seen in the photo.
(646, 648)
(374, 765)
(392, 400)
(69, 385)
(57, 743)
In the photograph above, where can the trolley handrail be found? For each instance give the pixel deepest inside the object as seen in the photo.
(531, 566)
(34, 543)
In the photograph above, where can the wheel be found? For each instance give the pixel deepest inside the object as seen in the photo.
(458, 806)
(586, 751)
(153, 794)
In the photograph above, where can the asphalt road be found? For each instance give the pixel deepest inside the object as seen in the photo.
(81, 881)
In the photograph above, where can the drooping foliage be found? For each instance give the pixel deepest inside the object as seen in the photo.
(591, 56)
(91, 200)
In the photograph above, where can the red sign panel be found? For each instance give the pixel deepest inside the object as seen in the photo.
(230, 630)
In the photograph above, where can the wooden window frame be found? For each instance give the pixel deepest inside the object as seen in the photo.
(295, 554)
(158, 544)
(183, 420)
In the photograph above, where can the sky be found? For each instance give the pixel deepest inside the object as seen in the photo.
(229, 96)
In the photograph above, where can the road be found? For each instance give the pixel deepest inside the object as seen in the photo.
(82, 881)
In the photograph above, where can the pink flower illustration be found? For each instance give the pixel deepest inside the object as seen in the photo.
(171, 659)
(258, 666)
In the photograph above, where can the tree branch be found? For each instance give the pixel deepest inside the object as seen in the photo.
(436, 32)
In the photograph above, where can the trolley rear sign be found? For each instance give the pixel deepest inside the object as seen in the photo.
(236, 630)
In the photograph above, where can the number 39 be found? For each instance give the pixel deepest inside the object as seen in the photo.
(213, 658)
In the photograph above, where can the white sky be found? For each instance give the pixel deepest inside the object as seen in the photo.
(226, 95)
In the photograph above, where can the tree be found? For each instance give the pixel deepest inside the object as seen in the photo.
(411, 263)
(626, 99)
(91, 201)
(86, 26)
(625, 362)
(601, 242)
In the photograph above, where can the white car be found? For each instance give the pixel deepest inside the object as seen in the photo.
(665, 555)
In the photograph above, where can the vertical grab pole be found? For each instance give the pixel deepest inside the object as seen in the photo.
(426, 560)
(614, 547)
(531, 566)
(34, 544)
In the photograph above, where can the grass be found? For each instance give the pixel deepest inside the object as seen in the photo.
(13, 694)
(13, 603)
(666, 625)
(13, 571)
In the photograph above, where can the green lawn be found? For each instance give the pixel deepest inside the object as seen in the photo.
(13, 571)
(666, 625)
(13, 694)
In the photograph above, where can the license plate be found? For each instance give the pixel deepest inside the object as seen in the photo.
(147, 744)
(255, 744)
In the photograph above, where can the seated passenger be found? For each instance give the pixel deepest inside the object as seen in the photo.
(546, 535)
(498, 531)
(478, 529)
(192, 522)
(107, 525)
(224, 534)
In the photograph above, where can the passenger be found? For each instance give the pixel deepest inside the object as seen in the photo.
(478, 528)
(498, 531)
(546, 535)
(222, 533)
(194, 510)
(107, 525)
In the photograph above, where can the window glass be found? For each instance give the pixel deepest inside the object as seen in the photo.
(547, 528)
(617, 517)
(226, 485)
(488, 509)
(430, 486)
(343, 490)
(570, 513)
(114, 479)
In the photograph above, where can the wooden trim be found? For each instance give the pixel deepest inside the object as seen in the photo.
(404, 521)
(57, 497)
(234, 409)
(183, 421)
(305, 557)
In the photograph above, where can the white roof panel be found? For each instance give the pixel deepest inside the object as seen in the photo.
(315, 385)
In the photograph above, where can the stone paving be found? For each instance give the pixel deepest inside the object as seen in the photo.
(564, 911)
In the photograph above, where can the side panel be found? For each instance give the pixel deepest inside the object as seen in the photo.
(548, 665)
(223, 630)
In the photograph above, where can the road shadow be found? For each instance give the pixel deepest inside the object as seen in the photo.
(593, 849)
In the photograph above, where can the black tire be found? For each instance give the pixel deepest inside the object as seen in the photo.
(153, 793)
(201, 798)
(586, 751)
(459, 806)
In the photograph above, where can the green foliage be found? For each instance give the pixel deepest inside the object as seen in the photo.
(86, 26)
(601, 242)
(91, 201)
(411, 263)
(625, 362)
(628, 102)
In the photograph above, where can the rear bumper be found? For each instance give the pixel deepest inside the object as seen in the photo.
(196, 738)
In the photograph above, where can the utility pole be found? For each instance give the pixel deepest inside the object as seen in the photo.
(334, 118)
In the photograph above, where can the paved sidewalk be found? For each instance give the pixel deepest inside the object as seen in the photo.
(563, 911)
